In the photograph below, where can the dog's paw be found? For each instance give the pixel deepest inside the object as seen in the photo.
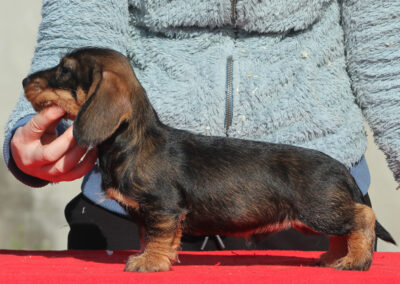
(324, 260)
(147, 263)
(327, 259)
(347, 263)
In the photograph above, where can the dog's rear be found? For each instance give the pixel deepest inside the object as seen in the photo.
(181, 182)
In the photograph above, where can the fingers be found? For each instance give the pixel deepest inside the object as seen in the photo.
(42, 122)
(38, 151)
(66, 162)
(83, 167)
(59, 147)
(53, 126)
(79, 170)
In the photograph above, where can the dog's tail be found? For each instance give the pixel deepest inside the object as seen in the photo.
(381, 233)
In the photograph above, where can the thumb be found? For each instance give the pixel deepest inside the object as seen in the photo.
(41, 122)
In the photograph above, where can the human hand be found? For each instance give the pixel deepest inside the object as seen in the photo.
(38, 151)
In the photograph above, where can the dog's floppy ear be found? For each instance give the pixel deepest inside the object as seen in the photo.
(101, 115)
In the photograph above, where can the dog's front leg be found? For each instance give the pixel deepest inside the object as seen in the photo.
(162, 237)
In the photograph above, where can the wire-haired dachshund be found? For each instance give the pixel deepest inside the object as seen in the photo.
(179, 182)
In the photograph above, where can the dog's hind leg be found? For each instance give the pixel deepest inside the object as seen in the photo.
(162, 241)
(353, 251)
(337, 249)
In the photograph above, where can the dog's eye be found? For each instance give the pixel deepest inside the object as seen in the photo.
(64, 70)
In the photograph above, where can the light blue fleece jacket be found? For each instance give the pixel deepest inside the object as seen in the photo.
(287, 71)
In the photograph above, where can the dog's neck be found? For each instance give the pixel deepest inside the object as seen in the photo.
(144, 123)
(142, 131)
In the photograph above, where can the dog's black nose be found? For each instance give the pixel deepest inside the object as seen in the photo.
(25, 81)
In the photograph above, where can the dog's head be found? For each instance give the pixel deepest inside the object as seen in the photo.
(96, 87)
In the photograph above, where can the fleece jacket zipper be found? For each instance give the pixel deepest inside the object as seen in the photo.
(229, 77)
(229, 94)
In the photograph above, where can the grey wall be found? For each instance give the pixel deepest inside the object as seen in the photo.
(29, 218)
(34, 218)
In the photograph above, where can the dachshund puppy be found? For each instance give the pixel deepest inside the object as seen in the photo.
(179, 182)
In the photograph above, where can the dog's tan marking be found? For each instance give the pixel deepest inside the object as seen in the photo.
(67, 102)
(112, 193)
(161, 250)
(80, 96)
(42, 98)
(360, 243)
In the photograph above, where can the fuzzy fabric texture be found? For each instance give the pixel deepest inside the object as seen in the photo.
(289, 74)
(292, 82)
(372, 43)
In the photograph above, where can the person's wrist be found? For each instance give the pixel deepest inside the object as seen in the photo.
(24, 178)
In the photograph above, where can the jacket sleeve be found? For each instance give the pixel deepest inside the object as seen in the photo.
(67, 25)
(8, 159)
(371, 30)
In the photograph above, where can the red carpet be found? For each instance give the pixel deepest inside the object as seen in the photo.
(195, 267)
